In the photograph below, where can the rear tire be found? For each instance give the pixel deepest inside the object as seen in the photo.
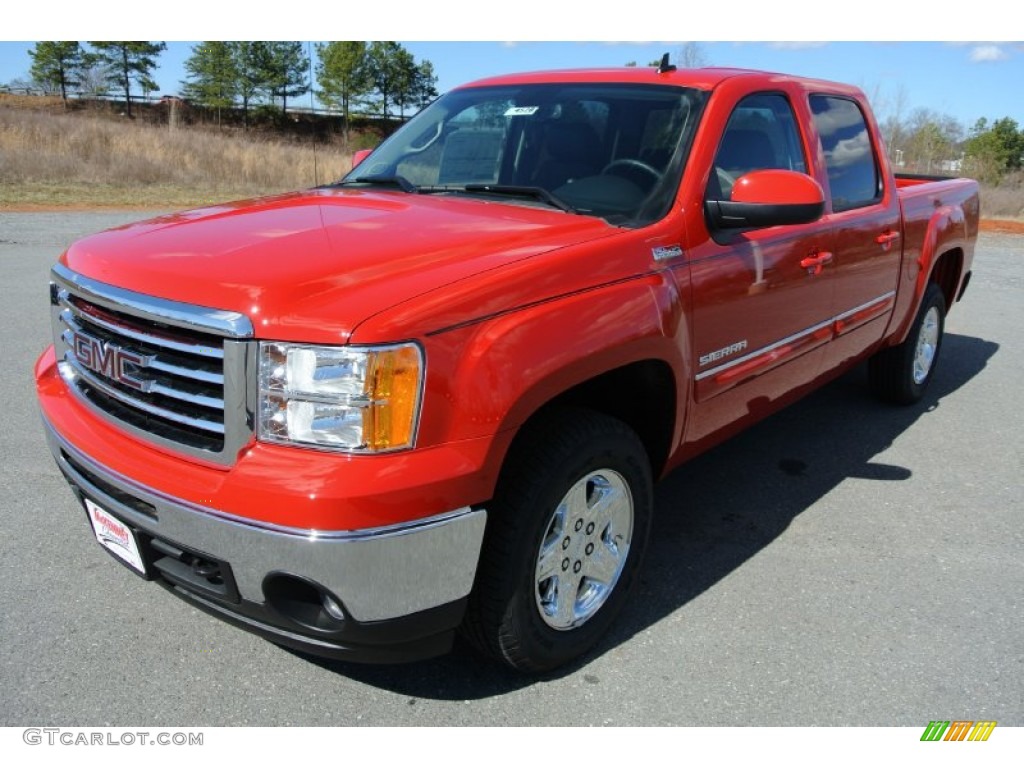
(566, 534)
(901, 374)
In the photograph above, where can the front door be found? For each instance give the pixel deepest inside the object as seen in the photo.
(762, 303)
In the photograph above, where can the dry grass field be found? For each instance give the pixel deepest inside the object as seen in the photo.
(1006, 200)
(53, 159)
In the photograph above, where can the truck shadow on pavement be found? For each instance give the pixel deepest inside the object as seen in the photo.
(718, 511)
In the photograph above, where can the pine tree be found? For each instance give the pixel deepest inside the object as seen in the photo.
(128, 60)
(212, 76)
(287, 73)
(405, 75)
(252, 60)
(387, 66)
(425, 84)
(56, 64)
(342, 75)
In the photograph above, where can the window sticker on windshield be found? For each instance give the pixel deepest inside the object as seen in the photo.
(520, 111)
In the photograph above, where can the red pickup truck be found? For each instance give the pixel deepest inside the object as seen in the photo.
(433, 396)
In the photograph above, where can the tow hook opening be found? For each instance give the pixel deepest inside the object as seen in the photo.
(208, 570)
(192, 570)
(304, 602)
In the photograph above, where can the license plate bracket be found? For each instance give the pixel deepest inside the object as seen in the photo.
(117, 537)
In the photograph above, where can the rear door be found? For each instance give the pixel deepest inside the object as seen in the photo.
(865, 220)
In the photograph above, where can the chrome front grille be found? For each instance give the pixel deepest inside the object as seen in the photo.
(172, 373)
(158, 375)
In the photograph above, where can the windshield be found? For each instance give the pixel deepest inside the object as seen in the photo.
(609, 150)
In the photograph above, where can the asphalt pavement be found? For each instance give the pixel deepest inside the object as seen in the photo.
(843, 563)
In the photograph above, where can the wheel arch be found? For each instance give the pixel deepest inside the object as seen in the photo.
(947, 272)
(942, 253)
(620, 350)
(641, 394)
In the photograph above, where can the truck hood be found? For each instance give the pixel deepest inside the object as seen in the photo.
(311, 266)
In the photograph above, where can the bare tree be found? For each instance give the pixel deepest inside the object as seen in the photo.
(25, 84)
(92, 79)
(893, 126)
(692, 56)
(932, 138)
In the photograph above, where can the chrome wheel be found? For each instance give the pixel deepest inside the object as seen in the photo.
(927, 345)
(584, 549)
(566, 533)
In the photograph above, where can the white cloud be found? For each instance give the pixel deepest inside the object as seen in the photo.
(839, 114)
(850, 151)
(988, 53)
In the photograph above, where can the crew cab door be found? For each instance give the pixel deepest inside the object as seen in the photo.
(761, 309)
(865, 220)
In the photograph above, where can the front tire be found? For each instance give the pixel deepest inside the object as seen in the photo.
(567, 530)
(901, 374)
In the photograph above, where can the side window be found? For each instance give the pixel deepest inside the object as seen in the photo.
(761, 133)
(849, 157)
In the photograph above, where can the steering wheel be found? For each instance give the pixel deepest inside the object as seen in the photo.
(628, 162)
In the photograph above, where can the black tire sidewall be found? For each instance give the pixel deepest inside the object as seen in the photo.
(537, 645)
(891, 370)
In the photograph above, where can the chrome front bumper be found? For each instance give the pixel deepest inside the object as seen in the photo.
(378, 574)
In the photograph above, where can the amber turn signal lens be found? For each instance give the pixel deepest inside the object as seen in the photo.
(393, 386)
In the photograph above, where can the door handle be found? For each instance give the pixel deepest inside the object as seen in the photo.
(886, 239)
(816, 262)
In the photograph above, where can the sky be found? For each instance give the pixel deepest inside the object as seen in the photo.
(967, 79)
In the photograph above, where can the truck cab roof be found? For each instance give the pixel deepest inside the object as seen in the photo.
(705, 78)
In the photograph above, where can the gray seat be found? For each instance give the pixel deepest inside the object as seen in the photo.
(742, 150)
(471, 157)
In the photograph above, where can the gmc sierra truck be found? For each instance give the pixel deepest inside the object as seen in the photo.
(433, 396)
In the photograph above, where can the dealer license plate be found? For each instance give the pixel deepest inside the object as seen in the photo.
(115, 536)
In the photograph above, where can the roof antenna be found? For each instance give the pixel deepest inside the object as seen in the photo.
(665, 66)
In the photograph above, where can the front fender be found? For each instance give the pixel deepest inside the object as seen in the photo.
(491, 377)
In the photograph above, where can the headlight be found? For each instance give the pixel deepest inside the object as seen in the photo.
(361, 399)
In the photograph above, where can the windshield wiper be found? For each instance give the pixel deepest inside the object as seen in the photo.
(392, 181)
(404, 184)
(537, 193)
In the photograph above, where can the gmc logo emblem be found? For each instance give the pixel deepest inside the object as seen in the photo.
(110, 360)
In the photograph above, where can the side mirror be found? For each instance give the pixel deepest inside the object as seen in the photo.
(359, 155)
(768, 198)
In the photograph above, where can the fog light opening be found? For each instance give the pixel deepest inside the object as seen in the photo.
(304, 602)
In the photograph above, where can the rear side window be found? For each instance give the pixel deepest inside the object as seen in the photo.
(761, 134)
(849, 156)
